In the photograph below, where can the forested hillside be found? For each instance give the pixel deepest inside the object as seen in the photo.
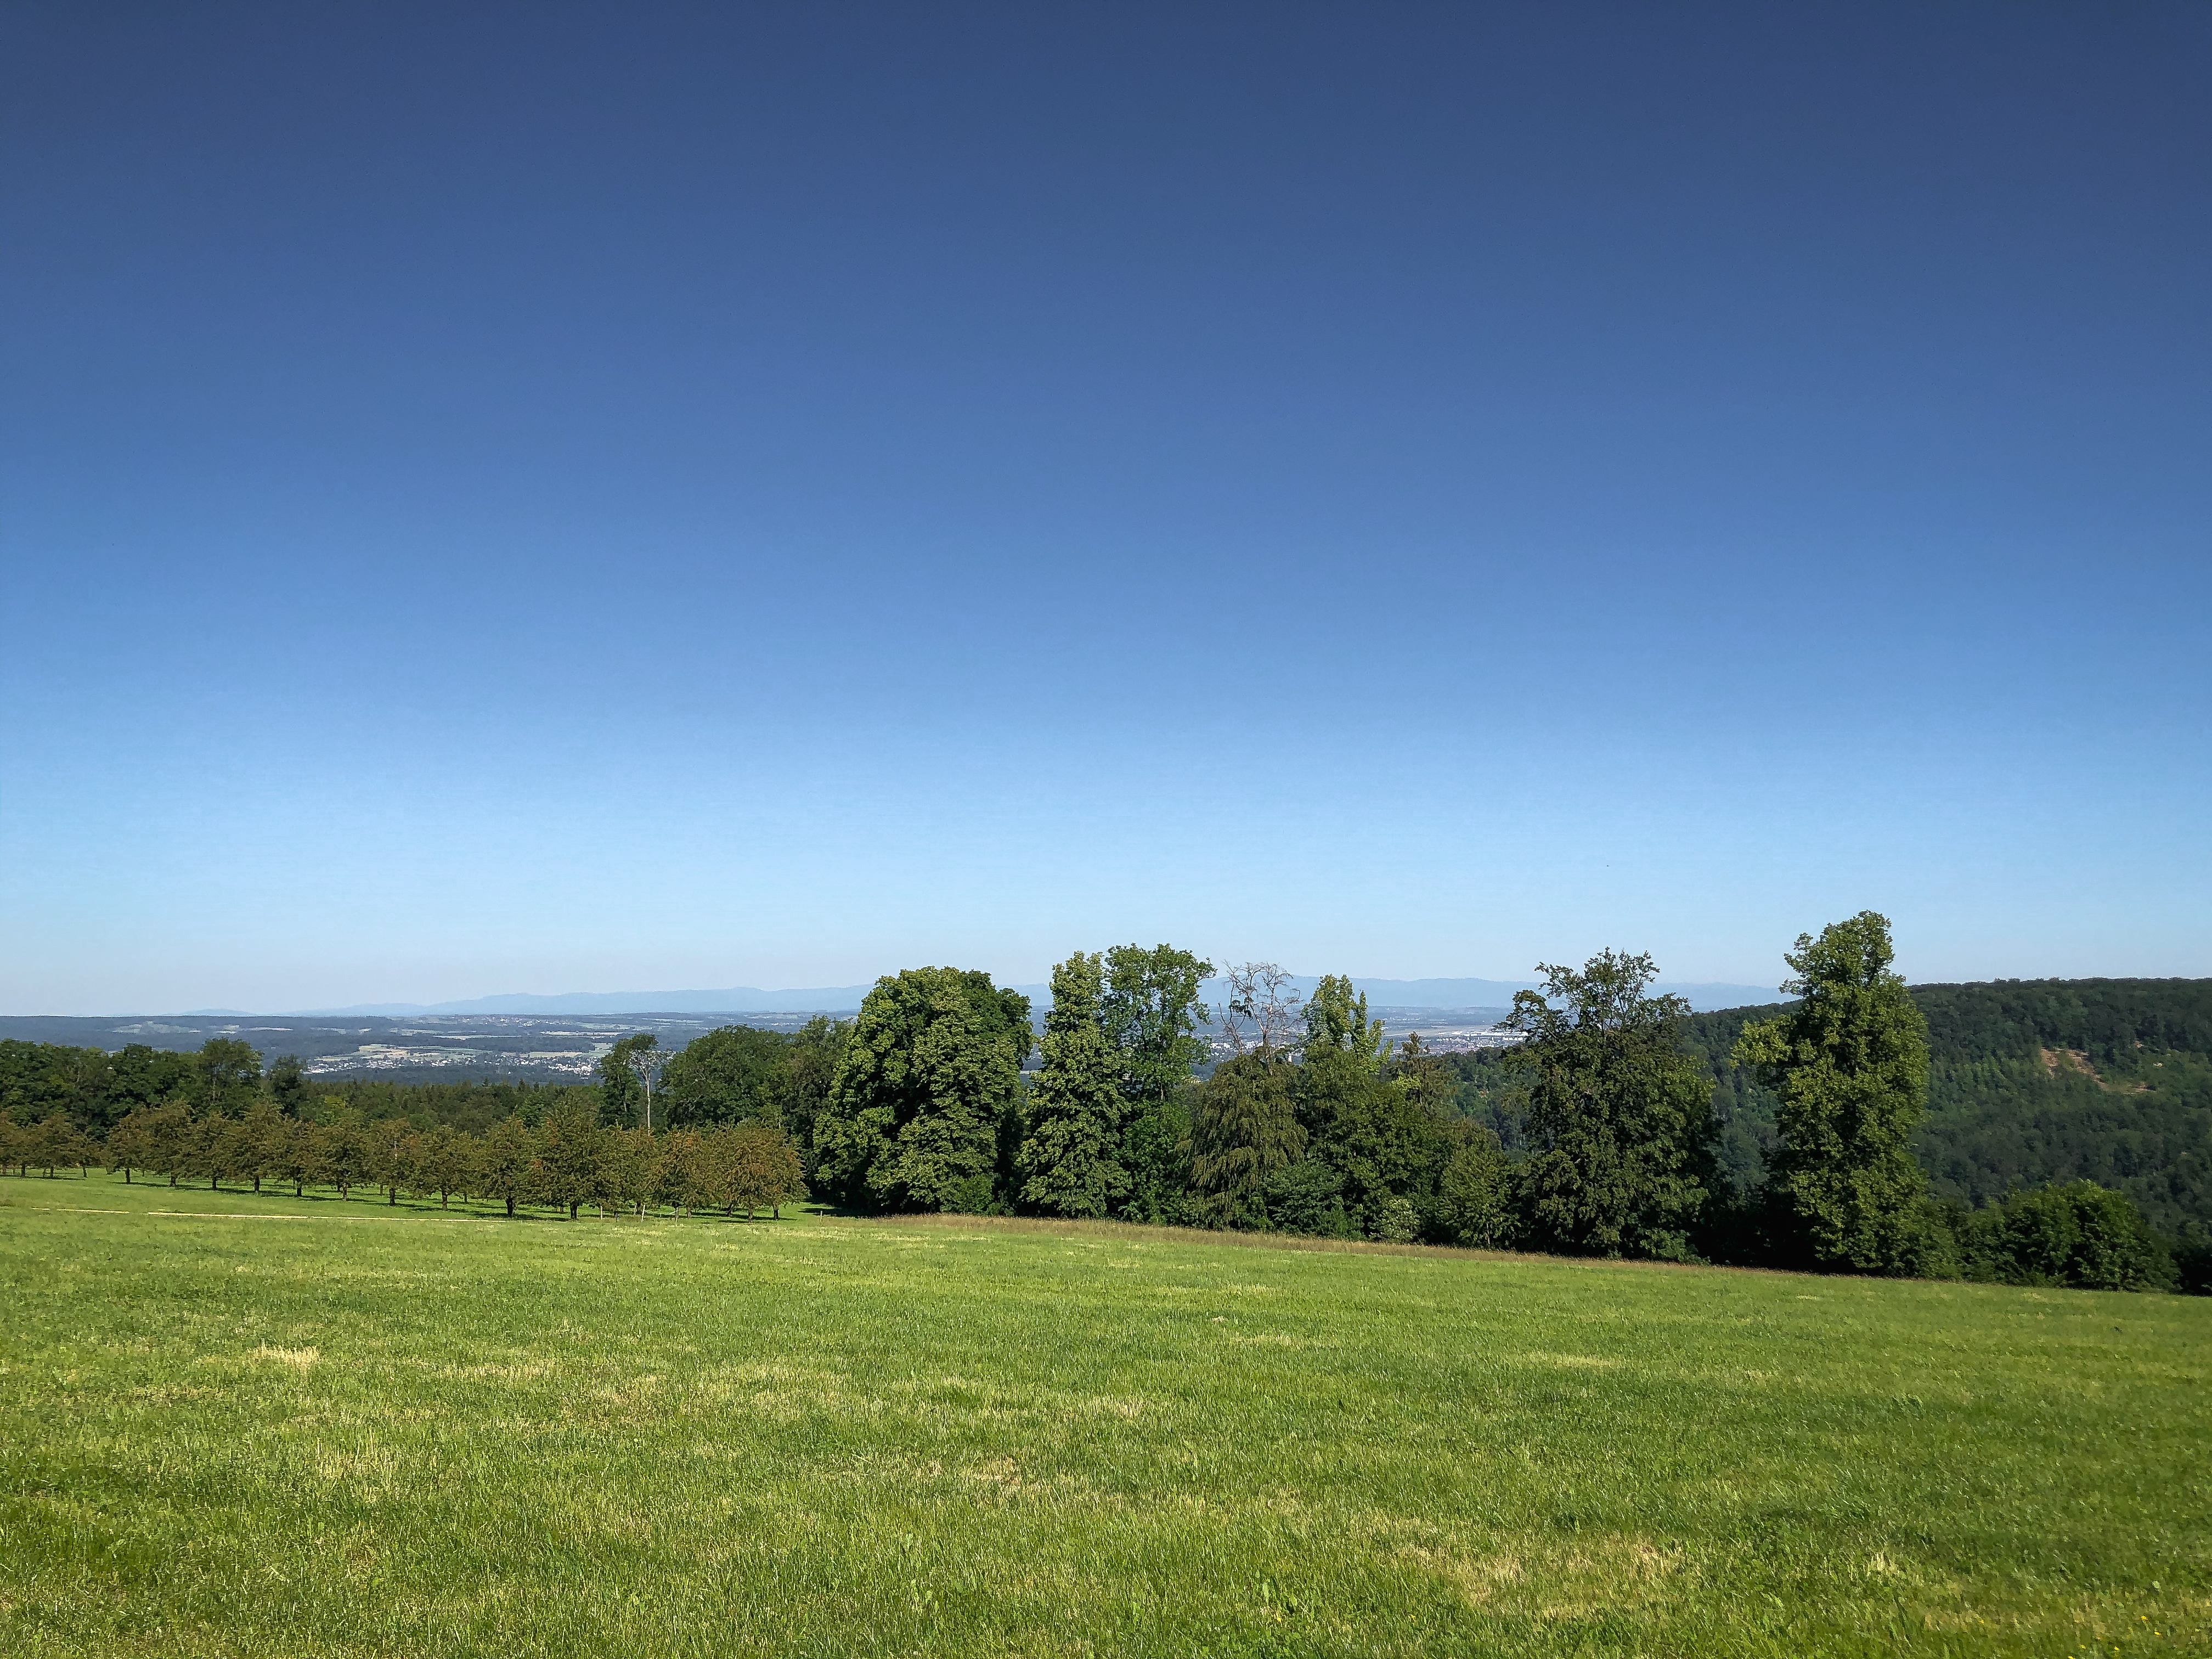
(2034, 1081)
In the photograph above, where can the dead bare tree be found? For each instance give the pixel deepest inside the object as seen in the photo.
(1261, 1000)
(644, 1056)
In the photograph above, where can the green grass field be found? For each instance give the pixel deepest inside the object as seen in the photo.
(380, 1432)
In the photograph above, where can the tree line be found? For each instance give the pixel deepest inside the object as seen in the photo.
(1601, 1133)
(566, 1160)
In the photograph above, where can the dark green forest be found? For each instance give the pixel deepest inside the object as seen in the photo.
(2032, 1082)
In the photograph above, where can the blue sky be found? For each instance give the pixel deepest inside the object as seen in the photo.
(549, 498)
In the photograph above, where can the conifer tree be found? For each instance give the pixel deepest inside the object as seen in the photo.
(1360, 1118)
(1850, 1063)
(1244, 1131)
(1071, 1155)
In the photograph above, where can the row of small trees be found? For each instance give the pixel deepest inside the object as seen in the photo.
(567, 1161)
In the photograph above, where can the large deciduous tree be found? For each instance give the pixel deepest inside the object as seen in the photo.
(1070, 1159)
(914, 1113)
(286, 1085)
(728, 1075)
(1619, 1118)
(1151, 1013)
(809, 1066)
(1359, 1121)
(227, 1076)
(140, 1076)
(1850, 1063)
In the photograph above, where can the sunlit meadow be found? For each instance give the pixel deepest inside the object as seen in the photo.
(276, 1425)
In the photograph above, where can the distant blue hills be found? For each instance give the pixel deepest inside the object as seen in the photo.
(843, 998)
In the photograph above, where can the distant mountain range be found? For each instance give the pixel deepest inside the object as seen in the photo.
(841, 999)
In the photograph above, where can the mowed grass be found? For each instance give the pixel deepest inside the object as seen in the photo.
(373, 1431)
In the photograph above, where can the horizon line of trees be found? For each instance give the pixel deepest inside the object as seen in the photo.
(1312, 1124)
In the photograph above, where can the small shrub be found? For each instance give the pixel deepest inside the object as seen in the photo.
(1308, 1197)
(2079, 1235)
(1395, 1221)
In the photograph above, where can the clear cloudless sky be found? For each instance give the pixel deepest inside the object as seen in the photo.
(550, 497)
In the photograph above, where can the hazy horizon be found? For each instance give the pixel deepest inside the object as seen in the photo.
(1457, 992)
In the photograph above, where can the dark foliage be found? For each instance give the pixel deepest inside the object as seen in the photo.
(2031, 1083)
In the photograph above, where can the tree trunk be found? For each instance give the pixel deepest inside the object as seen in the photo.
(126, 1175)
(257, 1183)
(574, 1207)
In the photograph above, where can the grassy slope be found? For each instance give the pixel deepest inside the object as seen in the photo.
(381, 1432)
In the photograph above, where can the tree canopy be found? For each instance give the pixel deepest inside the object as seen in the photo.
(928, 1077)
(1849, 1063)
(1619, 1117)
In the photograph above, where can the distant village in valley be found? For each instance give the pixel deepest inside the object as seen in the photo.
(561, 1048)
